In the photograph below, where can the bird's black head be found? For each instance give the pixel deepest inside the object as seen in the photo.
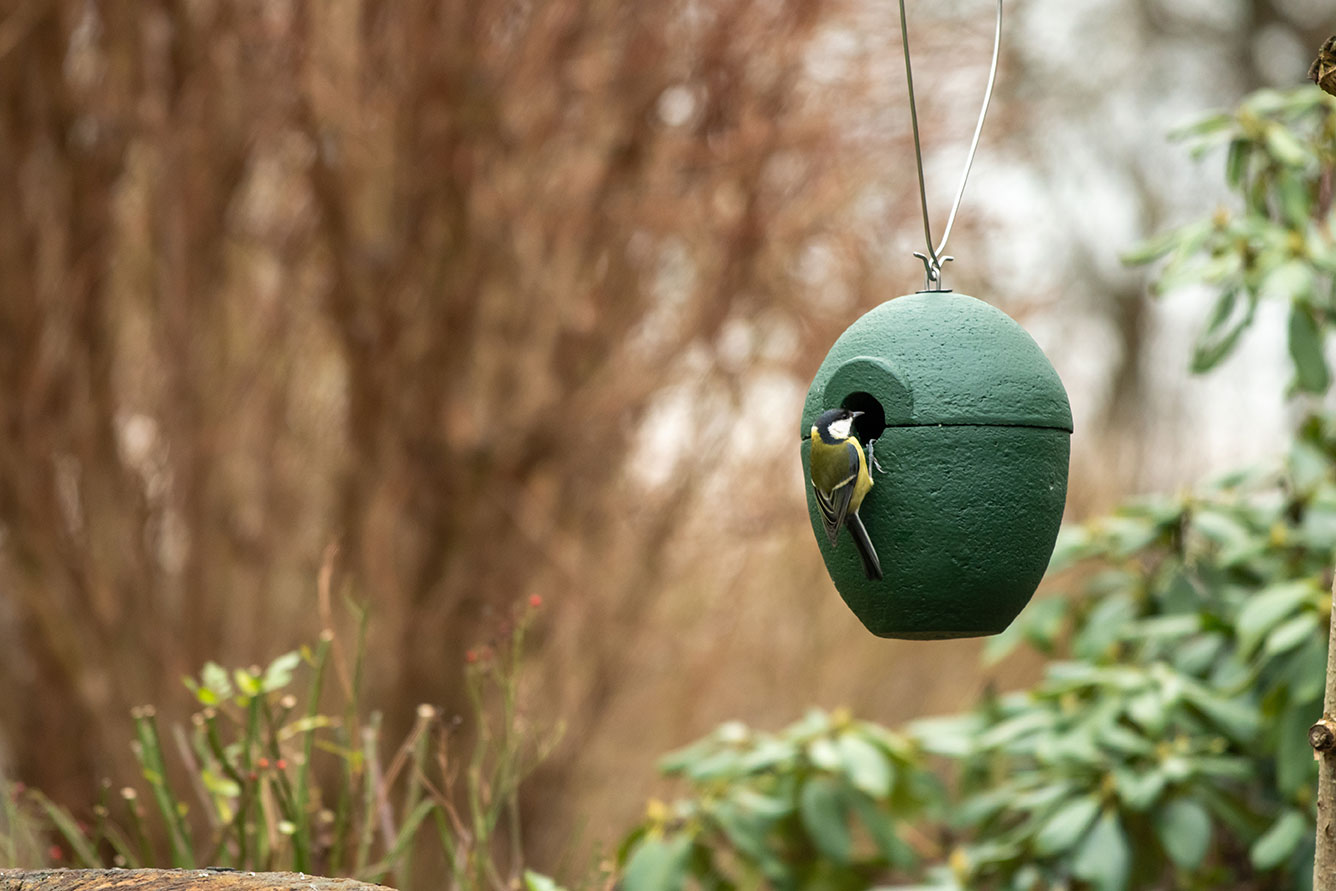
(836, 424)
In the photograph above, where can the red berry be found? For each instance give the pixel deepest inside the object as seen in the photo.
(471, 656)
(535, 600)
(55, 853)
(262, 763)
(281, 764)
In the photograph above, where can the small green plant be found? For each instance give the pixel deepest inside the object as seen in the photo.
(276, 783)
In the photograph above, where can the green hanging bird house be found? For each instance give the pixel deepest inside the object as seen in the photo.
(971, 427)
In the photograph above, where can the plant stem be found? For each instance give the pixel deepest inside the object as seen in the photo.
(302, 837)
(155, 771)
(239, 819)
(370, 790)
(1322, 737)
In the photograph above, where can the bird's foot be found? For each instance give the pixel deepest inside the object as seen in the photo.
(872, 458)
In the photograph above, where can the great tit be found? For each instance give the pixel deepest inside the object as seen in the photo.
(840, 481)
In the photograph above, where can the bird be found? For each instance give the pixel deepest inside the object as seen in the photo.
(840, 481)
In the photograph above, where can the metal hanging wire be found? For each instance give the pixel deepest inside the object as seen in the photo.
(935, 258)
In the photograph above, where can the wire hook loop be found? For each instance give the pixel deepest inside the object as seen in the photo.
(934, 259)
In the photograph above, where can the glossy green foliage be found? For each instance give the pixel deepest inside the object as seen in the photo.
(1166, 744)
(1276, 242)
(820, 805)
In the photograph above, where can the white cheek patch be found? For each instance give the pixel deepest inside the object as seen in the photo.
(840, 429)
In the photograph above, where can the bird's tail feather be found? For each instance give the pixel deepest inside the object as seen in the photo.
(858, 532)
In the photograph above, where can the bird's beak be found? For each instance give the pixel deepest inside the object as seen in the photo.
(856, 414)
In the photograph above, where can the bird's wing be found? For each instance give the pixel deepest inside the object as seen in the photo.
(835, 503)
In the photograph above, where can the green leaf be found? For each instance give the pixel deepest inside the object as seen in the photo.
(1149, 711)
(214, 678)
(69, 829)
(279, 673)
(680, 760)
(1024, 725)
(219, 785)
(951, 736)
(1306, 672)
(719, 764)
(768, 807)
(982, 806)
(658, 864)
(535, 882)
(1195, 656)
(1295, 199)
(882, 830)
(1267, 609)
(1291, 634)
(866, 766)
(825, 816)
(1153, 248)
(1207, 126)
(825, 754)
(1290, 280)
(1318, 529)
(813, 723)
(1295, 768)
(1039, 625)
(1236, 161)
(1184, 828)
(1119, 739)
(247, 683)
(1065, 826)
(1236, 717)
(1280, 841)
(747, 832)
(1105, 857)
(1138, 790)
(768, 753)
(1127, 535)
(1306, 339)
(1265, 103)
(1074, 543)
(1230, 317)
(1285, 147)
(1103, 626)
(1308, 466)
(1225, 528)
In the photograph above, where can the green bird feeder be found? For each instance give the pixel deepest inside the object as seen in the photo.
(972, 429)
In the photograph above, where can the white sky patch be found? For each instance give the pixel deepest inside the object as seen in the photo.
(1280, 56)
(677, 106)
(1203, 425)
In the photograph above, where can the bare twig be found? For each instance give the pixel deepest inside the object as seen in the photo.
(1322, 736)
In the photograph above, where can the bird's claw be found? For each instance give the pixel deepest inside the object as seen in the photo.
(872, 458)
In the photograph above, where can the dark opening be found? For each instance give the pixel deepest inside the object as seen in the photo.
(872, 422)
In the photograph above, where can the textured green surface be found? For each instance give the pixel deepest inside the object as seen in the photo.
(975, 456)
(942, 358)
